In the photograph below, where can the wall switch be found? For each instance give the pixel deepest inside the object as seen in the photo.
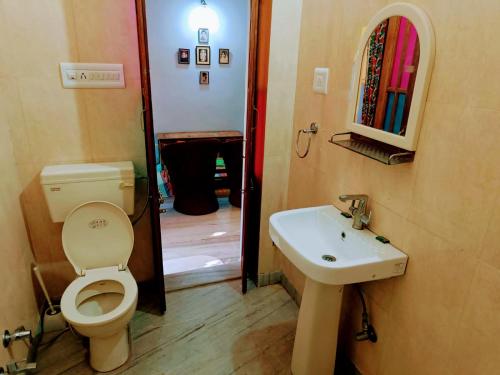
(97, 76)
(320, 83)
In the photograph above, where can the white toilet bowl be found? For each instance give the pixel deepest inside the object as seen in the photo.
(98, 240)
(100, 305)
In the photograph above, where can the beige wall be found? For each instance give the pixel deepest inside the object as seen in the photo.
(50, 124)
(17, 299)
(285, 30)
(443, 209)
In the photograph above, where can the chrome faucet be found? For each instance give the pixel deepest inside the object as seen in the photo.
(359, 216)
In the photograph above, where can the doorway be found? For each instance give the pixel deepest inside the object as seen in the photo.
(201, 179)
(218, 245)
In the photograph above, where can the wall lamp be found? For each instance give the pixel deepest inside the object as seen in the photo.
(204, 17)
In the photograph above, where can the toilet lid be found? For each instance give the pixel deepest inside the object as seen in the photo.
(96, 235)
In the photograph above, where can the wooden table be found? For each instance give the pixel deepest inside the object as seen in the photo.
(221, 181)
(180, 136)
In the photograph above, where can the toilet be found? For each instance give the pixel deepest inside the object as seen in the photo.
(97, 238)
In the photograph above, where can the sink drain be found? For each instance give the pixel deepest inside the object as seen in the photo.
(329, 258)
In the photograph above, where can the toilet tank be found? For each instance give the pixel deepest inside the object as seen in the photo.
(67, 186)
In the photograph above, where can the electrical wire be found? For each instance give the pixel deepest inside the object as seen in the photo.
(49, 343)
(143, 211)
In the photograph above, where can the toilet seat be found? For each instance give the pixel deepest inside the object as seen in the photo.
(98, 239)
(96, 235)
(69, 298)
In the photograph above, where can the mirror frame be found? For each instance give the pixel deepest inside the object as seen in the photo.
(425, 32)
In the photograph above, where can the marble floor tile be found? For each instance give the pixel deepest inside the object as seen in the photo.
(210, 330)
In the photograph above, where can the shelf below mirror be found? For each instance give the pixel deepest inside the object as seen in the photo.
(379, 151)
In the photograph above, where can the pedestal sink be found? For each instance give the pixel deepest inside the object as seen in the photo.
(321, 243)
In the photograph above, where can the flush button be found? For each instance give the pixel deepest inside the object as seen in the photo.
(98, 223)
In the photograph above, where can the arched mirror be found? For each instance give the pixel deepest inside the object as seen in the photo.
(391, 76)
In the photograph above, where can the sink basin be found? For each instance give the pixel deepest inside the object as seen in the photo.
(321, 243)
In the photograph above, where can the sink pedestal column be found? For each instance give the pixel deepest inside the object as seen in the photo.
(317, 329)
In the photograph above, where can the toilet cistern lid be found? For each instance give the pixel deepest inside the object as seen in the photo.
(97, 235)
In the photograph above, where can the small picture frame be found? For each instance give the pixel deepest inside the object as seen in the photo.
(204, 78)
(223, 56)
(202, 55)
(183, 56)
(203, 36)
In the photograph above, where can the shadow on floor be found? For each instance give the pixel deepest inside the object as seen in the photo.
(265, 351)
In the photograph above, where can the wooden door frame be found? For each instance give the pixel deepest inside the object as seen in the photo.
(154, 196)
(248, 181)
(150, 146)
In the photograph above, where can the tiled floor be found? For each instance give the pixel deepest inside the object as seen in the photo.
(209, 330)
(200, 242)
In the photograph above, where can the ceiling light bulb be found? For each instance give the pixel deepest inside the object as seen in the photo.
(203, 17)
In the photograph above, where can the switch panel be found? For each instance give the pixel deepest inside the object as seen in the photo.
(320, 84)
(96, 76)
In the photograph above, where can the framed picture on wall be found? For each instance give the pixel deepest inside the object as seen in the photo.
(204, 78)
(202, 55)
(203, 35)
(223, 55)
(183, 56)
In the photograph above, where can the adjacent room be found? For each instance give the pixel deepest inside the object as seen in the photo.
(198, 60)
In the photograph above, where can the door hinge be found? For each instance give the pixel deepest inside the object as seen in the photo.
(161, 199)
(144, 110)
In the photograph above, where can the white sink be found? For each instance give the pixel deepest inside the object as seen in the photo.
(306, 235)
(321, 243)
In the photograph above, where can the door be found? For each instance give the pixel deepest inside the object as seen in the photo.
(258, 62)
(251, 185)
(154, 195)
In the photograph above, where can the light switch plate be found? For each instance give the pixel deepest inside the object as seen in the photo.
(97, 76)
(320, 82)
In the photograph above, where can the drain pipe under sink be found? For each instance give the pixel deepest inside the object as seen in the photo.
(367, 330)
